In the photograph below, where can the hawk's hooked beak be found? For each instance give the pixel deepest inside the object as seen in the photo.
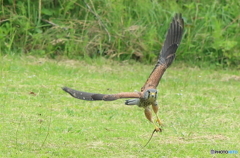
(153, 95)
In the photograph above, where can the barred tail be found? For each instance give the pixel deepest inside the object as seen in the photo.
(132, 102)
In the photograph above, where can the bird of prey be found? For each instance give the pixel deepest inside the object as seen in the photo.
(147, 97)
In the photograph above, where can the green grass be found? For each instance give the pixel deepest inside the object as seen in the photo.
(199, 108)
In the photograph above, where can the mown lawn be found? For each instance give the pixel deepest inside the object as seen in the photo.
(199, 108)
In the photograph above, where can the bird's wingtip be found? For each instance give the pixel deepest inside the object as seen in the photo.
(66, 89)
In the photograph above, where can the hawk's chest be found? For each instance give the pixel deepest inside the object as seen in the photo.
(146, 102)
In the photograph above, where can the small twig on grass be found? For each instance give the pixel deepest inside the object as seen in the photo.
(53, 24)
(50, 22)
(39, 11)
(2, 21)
(47, 131)
(233, 21)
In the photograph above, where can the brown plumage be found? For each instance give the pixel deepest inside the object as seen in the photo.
(148, 94)
(167, 53)
(95, 96)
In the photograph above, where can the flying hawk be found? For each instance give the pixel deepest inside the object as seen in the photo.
(148, 95)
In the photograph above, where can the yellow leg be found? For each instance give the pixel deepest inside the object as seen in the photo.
(155, 109)
(148, 114)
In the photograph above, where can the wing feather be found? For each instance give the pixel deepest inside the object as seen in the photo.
(167, 54)
(95, 96)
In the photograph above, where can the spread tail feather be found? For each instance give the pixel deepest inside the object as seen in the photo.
(132, 102)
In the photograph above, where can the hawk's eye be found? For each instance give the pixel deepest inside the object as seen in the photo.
(148, 94)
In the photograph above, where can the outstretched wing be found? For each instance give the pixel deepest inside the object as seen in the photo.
(167, 54)
(95, 96)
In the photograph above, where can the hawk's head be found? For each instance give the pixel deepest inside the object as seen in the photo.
(150, 94)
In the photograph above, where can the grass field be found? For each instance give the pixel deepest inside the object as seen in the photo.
(199, 108)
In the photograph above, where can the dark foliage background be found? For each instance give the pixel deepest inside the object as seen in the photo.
(121, 29)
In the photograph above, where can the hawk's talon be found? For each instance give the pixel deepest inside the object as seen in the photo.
(157, 129)
(159, 122)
